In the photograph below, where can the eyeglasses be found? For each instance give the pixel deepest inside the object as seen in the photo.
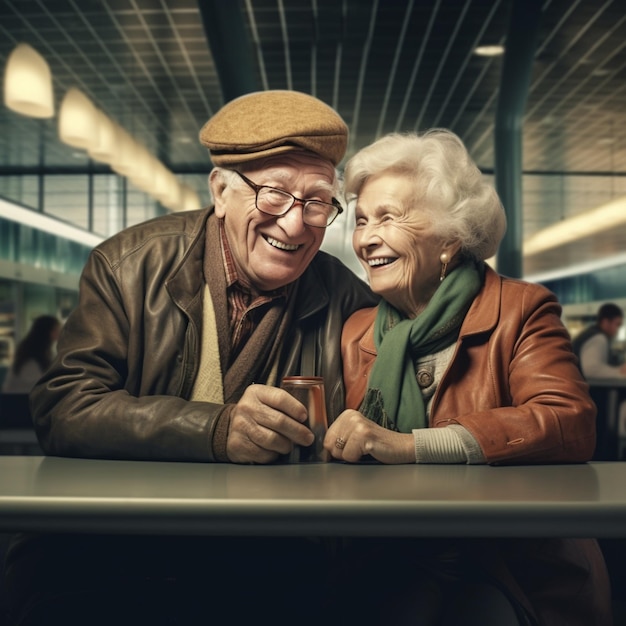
(277, 202)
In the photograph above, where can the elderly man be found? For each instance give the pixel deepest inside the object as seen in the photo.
(184, 328)
(186, 323)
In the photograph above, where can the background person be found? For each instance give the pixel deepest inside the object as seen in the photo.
(184, 327)
(593, 345)
(33, 355)
(458, 365)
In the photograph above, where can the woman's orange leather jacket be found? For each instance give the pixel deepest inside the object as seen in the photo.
(513, 381)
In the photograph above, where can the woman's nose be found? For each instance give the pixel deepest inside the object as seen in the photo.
(368, 235)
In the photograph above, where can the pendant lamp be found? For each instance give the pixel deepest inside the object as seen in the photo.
(190, 201)
(77, 120)
(28, 83)
(105, 145)
(165, 185)
(143, 177)
(125, 162)
(173, 198)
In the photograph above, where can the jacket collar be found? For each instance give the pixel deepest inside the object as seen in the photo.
(185, 283)
(484, 313)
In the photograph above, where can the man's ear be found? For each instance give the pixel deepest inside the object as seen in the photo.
(218, 186)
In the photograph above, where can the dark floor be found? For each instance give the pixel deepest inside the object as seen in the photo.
(614, 551)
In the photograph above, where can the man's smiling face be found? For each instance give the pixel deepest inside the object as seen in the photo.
(270, 252)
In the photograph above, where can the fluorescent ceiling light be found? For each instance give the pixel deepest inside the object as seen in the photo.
(579, 269)
(489, 51)
(45, 223)
(580, 226)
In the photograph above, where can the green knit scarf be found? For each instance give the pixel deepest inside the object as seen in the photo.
(393, 398)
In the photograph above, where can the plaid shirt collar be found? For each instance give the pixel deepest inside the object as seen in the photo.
(232, 276)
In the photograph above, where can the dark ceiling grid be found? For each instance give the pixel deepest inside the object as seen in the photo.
(365, 51)
(147, 63)
(569, 87)
(451, 40)
(464, 69)
(401, 42)
(256, 42)
(173, 121)
(207, 111)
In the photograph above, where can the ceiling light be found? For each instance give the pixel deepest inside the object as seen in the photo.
(164, 181)
(45, 223)
(173, 199)
(583, 225)
(28, 83)
(190, 199)
(126, 160)
(77, 120)
(105, 144)
(145, 173)
(489, 51)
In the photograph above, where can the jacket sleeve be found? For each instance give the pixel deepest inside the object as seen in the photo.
(518, 389)
(92, 403)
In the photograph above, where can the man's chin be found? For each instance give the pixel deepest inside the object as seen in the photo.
(278, 278)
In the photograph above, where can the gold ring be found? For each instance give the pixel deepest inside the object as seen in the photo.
(340, 443)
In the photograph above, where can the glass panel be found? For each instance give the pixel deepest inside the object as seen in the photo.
(67, 197)
(21, 189)
(108, 195)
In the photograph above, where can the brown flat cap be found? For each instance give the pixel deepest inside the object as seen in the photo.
(265, 123)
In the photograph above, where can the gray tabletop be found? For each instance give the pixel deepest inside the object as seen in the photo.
(70, 495)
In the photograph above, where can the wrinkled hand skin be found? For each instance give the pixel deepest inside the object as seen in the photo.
(364, 437)
(266, 423)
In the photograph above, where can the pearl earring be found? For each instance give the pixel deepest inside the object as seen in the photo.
(443, 257)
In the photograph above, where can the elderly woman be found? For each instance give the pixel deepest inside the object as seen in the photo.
(458, 364)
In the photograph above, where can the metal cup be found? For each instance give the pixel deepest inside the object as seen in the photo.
(310, 391)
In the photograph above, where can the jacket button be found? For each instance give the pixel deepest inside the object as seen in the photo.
(424, 378)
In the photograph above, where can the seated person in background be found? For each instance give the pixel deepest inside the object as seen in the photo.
(33, 355)
(458, 364)
(593, 345)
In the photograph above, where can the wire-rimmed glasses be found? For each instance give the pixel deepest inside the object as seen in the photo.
(277, 202)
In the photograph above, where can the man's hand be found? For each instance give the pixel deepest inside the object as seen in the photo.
(264, 424)
(352, 436)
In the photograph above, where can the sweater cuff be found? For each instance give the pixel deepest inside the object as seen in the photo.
(220, 435)
(451, 444)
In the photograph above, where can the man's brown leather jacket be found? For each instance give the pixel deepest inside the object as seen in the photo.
(129, 353)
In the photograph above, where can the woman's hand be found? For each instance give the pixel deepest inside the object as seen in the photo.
(352, 436)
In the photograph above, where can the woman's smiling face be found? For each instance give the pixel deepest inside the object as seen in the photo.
(394, 241)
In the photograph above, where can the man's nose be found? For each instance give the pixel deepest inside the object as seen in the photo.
(292, 222)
